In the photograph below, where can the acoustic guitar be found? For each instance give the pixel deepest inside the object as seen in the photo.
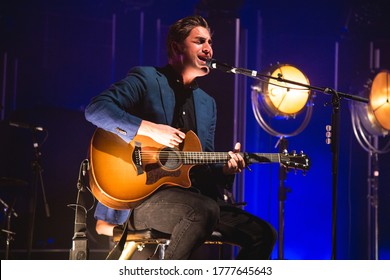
(123, 174)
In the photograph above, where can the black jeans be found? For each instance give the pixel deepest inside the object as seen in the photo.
(191, 217)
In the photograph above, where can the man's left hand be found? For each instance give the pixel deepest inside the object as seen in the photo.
(236, 163)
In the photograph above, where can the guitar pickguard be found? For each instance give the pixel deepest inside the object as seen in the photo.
(153, 175)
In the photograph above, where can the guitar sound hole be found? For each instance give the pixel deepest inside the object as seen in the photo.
(170, 158)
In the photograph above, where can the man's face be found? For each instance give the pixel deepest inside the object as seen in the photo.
(195, 50)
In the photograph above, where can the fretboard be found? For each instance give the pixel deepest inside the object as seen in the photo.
(223, 157)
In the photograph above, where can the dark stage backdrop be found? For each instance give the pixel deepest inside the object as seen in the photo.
(55, 57)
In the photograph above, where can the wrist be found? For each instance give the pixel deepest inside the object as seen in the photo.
(145, 128)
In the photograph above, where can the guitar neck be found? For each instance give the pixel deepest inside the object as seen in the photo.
(223, 157)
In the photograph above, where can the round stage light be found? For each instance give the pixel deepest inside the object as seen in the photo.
(283, 98)
(277, 96)
(379, 99)
(374, 117)
(371, 121)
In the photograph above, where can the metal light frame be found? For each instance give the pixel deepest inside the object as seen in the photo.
(373, 119)
(281, 99)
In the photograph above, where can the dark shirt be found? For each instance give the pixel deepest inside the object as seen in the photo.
(184, 119)
(184, 115)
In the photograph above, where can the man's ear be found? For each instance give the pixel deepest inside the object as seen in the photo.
(177, 48)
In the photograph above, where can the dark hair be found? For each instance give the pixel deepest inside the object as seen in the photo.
(180, 30)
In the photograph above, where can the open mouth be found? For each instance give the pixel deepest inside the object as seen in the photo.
(203, 58)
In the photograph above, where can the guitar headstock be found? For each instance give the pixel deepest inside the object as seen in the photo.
(295, 161)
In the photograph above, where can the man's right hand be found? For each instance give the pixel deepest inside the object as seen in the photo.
(161, 133)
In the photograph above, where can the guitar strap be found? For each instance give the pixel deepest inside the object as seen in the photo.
(116, 252)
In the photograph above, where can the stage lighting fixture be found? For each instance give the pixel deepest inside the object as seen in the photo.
(279, 98)
(380, 99)
(373, 119)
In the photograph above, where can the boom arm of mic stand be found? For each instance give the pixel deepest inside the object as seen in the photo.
(254, 74)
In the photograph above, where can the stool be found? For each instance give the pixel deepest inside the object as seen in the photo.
(137, 239)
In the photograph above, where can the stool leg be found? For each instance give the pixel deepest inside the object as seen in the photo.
(128, 250)
(162, 247)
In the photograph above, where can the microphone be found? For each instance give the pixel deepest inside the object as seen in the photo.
(27, 126)
(214, 64)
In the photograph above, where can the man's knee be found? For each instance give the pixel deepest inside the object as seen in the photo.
(209, 212)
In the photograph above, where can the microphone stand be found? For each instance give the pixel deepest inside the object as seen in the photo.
(37, 171)
(79, 249)
(334, 141)
(336, 97)
(9, 211)
(282, 195)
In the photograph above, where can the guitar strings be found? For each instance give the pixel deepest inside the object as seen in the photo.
(216, 156)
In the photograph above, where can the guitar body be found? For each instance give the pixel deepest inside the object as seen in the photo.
(123, 174)
(119, 183)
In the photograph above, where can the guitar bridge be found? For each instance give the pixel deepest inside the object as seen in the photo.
(137, 158)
